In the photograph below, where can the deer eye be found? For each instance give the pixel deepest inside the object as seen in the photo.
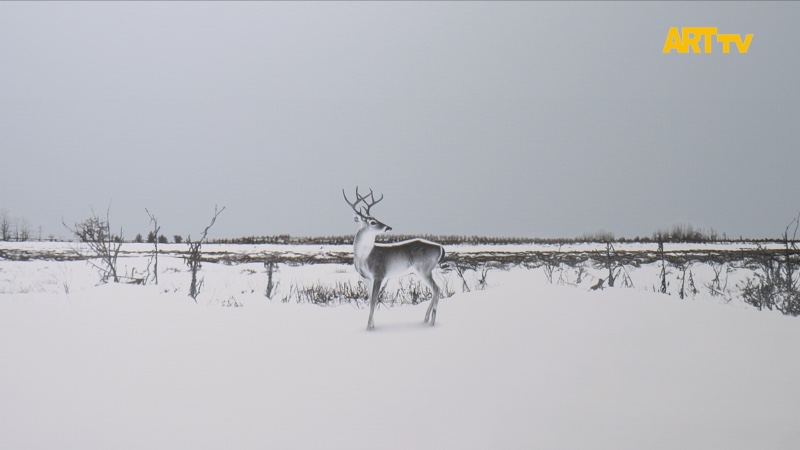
(373, 221)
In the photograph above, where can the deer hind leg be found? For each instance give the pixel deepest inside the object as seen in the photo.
(375, 290)
(431, 314)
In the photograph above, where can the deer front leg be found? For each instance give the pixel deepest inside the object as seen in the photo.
(373, 301)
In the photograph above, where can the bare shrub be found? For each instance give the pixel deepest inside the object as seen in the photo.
(327, 295)
(770, 289)
(444, 288)
(410, 291)
(718, 287)
(550, 263)
(154, 257)
(687, 286)
(460, 267)
(193, 259)
(482, 284)
(96, 233)
(231, 302)
(663, 274)
(776, 285)
(460, 272)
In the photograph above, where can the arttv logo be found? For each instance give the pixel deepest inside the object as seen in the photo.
(689, 38)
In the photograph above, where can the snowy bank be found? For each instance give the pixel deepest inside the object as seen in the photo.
(523, 364)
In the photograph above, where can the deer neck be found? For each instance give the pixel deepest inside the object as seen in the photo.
(363, 243)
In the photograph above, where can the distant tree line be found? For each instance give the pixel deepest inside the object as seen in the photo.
(18, 228)
(677, 233)
(684, 232)
(151, 238)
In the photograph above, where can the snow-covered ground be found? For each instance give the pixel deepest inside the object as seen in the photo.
(524, 363)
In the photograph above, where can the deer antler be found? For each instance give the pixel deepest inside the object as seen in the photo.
(359, 199)
(373, 202)
(364, 210)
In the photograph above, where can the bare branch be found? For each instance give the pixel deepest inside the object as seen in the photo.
(213, 220)
(154, 258)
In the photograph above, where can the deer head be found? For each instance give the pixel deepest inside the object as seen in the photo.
(362, 213)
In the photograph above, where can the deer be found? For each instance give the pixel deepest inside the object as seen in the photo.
(376, 262)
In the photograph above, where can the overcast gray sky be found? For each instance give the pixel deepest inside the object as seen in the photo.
(539, 119)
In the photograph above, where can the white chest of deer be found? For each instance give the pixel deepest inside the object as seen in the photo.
(379, 262)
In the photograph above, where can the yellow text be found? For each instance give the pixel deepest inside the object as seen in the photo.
(701, 40)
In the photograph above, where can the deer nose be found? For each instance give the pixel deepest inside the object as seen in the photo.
(388, 229)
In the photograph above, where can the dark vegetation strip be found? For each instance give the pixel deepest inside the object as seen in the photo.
(465, 259)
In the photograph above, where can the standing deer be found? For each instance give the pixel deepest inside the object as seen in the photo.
(378, 262)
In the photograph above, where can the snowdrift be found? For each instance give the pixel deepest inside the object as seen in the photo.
(523, 364)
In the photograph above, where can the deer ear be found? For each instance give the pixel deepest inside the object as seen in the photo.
(356, 218)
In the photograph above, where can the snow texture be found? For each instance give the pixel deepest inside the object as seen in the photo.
(522, 364)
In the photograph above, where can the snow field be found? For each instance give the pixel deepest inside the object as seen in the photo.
(523, 364)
